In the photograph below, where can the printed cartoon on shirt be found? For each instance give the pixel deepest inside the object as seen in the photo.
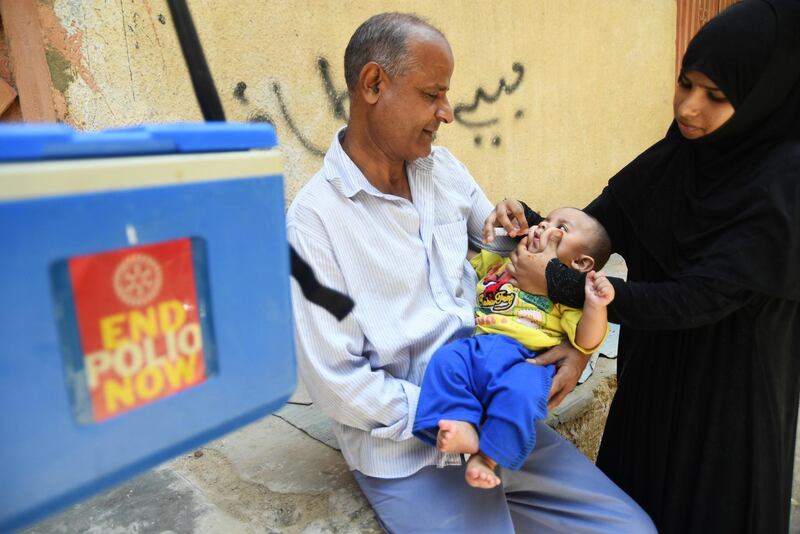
(494, 295)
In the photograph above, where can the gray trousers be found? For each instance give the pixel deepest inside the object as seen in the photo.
(557, 490)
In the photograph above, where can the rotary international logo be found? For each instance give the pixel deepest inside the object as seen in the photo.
(137, 279)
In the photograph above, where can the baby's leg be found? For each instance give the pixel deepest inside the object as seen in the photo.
(480, 472)
(457, 437)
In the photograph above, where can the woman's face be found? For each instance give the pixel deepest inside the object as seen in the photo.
(700, 106)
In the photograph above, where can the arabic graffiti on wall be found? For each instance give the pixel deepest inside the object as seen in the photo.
(466, 114)
(463, 112)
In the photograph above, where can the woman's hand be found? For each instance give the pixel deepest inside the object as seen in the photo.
(528, 267)
(508, 214)
(570, 363)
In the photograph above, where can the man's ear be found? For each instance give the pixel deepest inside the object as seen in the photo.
(371, 82)
(583, 263)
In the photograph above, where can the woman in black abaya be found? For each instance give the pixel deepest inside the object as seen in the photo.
(701, 431)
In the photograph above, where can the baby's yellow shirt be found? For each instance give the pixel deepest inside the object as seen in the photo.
(533, 320)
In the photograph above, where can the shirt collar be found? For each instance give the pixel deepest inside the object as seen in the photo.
(348, 178)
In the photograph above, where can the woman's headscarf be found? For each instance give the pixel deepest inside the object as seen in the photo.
(727, 205)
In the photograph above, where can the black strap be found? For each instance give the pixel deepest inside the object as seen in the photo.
(335, 302)
(203, 83)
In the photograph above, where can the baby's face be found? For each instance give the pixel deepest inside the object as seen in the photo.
(576, 230)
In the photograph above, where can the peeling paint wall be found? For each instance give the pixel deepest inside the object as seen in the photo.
(14, 112)
(552, 97)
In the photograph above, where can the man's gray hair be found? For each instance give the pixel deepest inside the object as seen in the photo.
(383, 39)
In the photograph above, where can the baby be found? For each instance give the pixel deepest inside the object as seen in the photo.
(480, 395)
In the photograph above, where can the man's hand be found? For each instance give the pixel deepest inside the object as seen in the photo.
(570, 363)
(527, 267)
(510, 215)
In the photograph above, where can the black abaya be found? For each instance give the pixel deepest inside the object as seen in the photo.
(701, 430)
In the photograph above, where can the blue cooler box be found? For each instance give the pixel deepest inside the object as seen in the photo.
(144, 301)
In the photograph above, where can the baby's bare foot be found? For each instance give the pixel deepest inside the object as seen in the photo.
(457, 436)
(480, 472)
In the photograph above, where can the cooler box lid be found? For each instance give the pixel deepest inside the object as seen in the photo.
(33, 142)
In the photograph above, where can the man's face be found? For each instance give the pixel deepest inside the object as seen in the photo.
(413, 105)
(576, 230)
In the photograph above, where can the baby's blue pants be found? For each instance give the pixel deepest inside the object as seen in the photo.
(486, 380)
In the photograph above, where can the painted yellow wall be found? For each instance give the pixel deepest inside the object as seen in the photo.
(588, 82)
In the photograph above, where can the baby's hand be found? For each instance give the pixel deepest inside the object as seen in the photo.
(599, 290)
